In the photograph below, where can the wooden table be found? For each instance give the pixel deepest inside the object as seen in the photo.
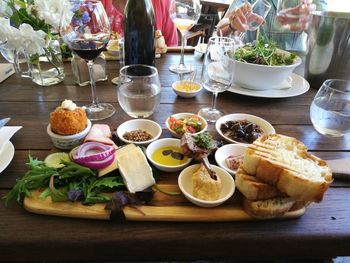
(324, 230)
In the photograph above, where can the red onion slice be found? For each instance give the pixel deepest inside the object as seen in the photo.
(99, 164)
(92, 152)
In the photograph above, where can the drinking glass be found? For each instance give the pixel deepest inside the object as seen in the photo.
(217, 72)
(87, 35)
(291, 12)
(184, 14)
(256, 17)
(139, 90)
(330, 109)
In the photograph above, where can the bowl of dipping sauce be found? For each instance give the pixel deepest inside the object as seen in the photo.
(186, 89)
(139, 131)
(166, 155)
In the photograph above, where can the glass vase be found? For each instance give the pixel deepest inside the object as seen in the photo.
(47, 69)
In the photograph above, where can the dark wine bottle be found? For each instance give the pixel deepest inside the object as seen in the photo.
(139, 32)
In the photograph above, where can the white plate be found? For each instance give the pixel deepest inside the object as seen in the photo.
(6, 155)
(299, 86)
(227, 150)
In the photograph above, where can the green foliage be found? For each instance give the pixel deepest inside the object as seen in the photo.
(59, 183)
(263, 52)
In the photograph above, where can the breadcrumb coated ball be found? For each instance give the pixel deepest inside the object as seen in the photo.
(68, 122)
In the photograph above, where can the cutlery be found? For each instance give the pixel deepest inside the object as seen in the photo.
(4, 121)
(340, 168)
(208, 167)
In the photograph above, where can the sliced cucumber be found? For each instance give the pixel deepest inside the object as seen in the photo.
(54, 159)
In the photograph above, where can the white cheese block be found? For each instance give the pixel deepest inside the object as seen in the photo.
(135, 170)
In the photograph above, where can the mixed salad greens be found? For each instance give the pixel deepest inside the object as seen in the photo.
(72, 182)
(264, 53)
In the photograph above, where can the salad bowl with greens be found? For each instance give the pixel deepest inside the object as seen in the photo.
(262, 66)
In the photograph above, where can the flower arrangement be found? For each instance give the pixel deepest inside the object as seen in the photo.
(29, 24)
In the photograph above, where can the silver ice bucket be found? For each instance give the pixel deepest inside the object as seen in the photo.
(328, 55)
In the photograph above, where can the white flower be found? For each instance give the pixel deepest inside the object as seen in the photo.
(5, 10)
(52, 10)
(10, 34)
(33, 41)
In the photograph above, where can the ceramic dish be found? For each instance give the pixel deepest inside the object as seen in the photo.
(262, 77)
(265, 126)
(6, 155)
(163, 143)
(149, 126)
(186, 186)
(229, 150)
(186, 94)
(182, 116)
(67, 142)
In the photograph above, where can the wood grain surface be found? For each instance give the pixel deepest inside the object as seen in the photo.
(323, 231)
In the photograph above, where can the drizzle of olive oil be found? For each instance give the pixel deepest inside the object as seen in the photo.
(168, 159)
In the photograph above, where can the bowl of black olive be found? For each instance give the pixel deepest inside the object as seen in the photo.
(242, 128)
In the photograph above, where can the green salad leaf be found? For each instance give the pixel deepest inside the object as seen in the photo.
(72, 182)
(264, 53)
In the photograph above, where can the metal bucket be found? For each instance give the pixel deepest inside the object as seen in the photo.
(328, 55)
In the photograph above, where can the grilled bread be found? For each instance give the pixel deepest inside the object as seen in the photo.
(254, 189)
(269, 208)
(284, 162)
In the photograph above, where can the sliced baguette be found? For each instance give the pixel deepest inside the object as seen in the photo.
(285, 163)
(269, 208)
(254, 189)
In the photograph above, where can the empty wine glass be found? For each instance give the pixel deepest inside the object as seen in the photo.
(330, 109)
(217, 72)
(87, 35)
(139, 90)
(184, 14)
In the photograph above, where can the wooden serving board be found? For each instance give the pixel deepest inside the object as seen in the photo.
(161, 208)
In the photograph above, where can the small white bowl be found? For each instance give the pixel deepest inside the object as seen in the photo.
(149, 126)
(266, 127)
(186, 94)
(182, 116)
(67, 142)
(162, 143)
(227, 150)
(186, 186)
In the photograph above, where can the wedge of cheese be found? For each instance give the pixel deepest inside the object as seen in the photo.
(134, 168)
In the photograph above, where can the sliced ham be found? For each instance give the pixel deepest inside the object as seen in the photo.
(100, 133)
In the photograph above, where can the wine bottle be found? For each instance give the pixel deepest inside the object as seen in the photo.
(139, 32)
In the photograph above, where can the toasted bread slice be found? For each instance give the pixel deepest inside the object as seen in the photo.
(285, 163)
(253, 188)
(269, 208)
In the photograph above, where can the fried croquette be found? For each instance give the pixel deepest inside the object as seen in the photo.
(68, 122)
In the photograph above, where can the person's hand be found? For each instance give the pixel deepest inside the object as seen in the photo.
(296, 18)
(241, 16)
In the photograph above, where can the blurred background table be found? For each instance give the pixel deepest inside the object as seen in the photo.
(323, 231)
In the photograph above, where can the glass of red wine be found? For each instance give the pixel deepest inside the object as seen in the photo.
(87, 35)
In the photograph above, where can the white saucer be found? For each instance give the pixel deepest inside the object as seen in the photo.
(6, 155)
(299, 86)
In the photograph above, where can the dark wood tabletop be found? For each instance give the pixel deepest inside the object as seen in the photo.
(323, 232)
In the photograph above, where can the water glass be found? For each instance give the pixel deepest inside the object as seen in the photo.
(139, 90)
(291, 12)
(330, 109)
(257, 16)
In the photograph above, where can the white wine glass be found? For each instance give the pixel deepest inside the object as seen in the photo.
(87, 35)
(184, 14)
(217, 72)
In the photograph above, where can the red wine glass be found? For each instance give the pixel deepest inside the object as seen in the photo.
(87, 35)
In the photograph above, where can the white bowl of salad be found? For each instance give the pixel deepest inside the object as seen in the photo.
(180, 123)
(262, 66)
